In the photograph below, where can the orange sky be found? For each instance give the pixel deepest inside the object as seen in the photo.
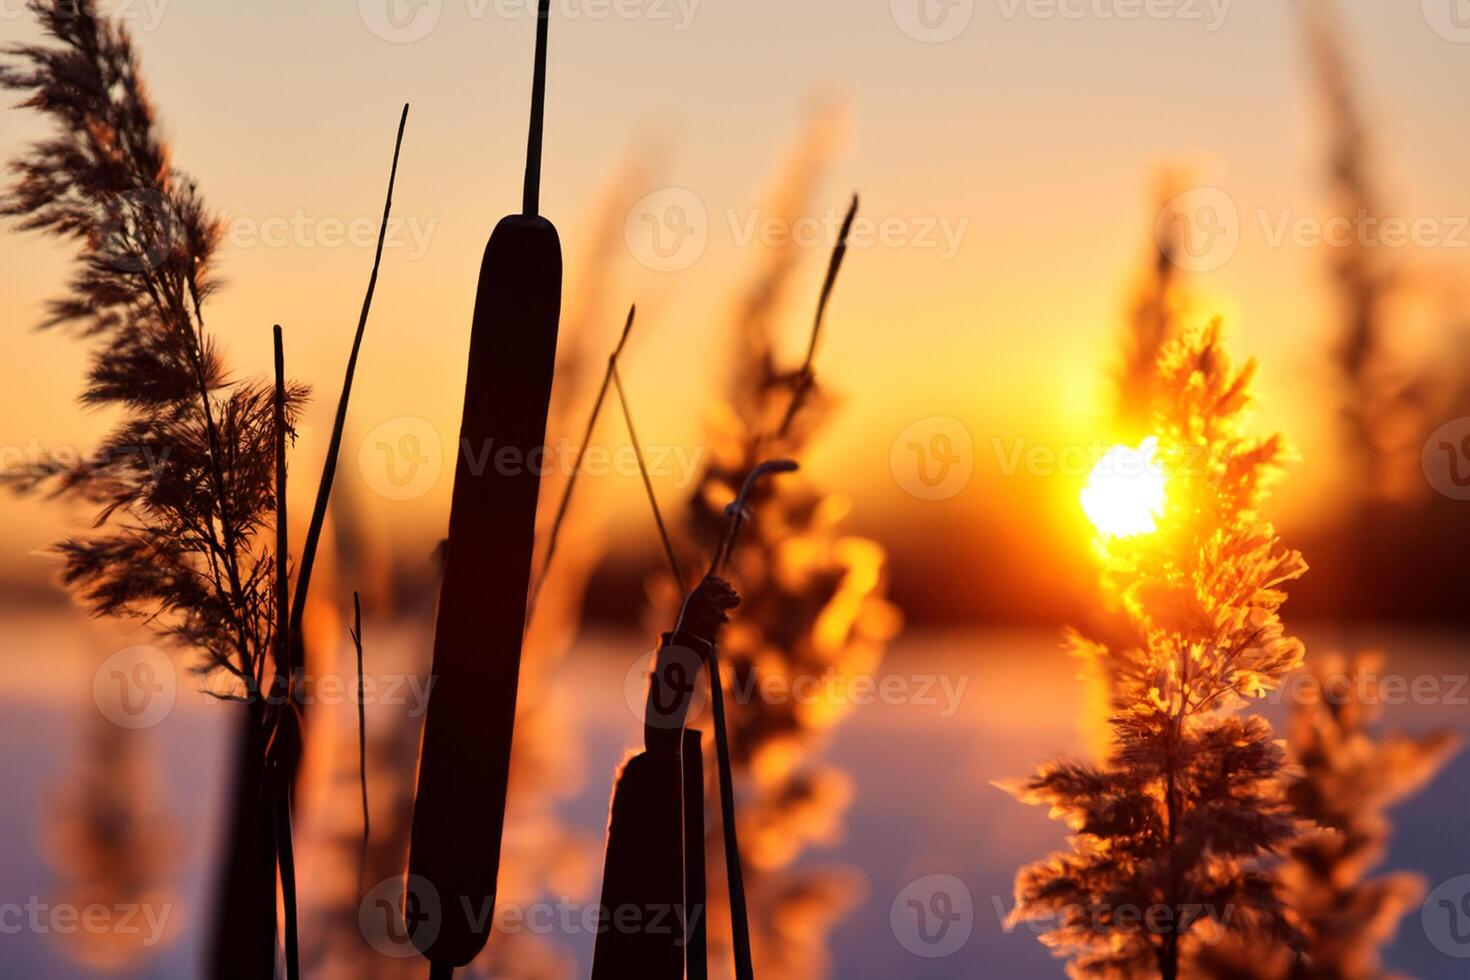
(1010, 170)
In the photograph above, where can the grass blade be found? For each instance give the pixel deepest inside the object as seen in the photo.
(334, 446)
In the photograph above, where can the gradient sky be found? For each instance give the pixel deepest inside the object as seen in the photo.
(1041, 137)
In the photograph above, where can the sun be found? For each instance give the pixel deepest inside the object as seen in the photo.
(1125, 491)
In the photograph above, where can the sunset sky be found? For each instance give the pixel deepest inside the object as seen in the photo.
(952, 591)
(1008, 173)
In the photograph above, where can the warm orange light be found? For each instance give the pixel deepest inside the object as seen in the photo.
(1125, 491)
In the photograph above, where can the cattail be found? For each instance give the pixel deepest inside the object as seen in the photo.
(655, 857)
(823, 612)
(464, 765)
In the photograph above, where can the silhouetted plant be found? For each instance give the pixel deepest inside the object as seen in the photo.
(184, 482)
(191, 481)
(1169, 829)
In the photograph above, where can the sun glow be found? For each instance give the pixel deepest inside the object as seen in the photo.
(1125, 491)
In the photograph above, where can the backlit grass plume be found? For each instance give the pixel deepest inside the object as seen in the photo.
(1348, 775)
(1169, 830)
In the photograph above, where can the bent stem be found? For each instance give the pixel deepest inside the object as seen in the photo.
(739, 916)
(658, 517)
(566, 494)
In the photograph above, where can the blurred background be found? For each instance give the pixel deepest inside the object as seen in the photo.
(1048, 191)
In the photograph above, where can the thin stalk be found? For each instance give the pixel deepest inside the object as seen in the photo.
(804, 377)
(283, 580)
(739, 916)
(531, 197)
(738, 509)
(278, 776)
(658, 517)
(334, 446)
(288, 866)
(361, 739)
(566, 494)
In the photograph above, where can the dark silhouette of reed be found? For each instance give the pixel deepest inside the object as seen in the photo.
(191, 481)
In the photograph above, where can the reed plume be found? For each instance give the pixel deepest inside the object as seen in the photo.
(1377, 392)
(184, 482)
(1170, 830)
(1346, 777)
(190, 485)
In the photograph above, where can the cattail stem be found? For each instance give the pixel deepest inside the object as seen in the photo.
(281, 686)
(283, 582)
(282, 776)
(531, 199)
(739, 916)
